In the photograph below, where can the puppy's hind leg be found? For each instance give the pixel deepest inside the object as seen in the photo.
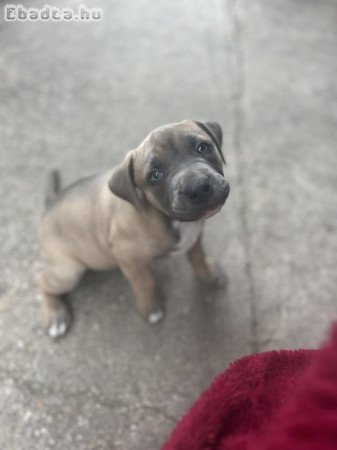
(55, 281)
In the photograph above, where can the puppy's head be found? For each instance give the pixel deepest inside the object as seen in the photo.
(178, 169)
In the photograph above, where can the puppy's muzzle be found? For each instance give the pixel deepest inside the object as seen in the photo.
(195, 193)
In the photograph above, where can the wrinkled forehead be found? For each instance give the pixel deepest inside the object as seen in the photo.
(173, 139)
(166, 146)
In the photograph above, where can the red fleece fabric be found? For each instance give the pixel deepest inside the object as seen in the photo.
(279, 400)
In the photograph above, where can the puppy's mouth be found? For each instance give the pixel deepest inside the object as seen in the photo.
(189, 213)
(198, 197)
(211, 212)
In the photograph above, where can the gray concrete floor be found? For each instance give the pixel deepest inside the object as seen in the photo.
(78, 96)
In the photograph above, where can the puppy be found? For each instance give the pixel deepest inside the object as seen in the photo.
(152, 204)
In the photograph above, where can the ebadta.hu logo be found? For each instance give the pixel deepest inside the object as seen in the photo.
(19, 13)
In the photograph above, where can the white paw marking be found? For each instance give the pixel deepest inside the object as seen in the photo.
(156, 317)
(62, 328)
(57, 329)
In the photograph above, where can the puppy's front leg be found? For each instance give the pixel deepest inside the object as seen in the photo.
(205, 269)
(144, 289)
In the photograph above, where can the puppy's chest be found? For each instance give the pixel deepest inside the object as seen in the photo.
(188, 233)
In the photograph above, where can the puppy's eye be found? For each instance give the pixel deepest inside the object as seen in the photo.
(203, 148)
(155, 176)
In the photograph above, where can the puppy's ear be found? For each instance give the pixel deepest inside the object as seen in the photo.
(122, 182)
(214, 131)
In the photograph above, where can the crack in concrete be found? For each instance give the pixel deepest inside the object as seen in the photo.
(159, 410)
(239, 89)
(38, 390)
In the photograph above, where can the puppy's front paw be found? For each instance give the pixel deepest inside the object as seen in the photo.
(150, 309)
(58, 322)
(155, 316)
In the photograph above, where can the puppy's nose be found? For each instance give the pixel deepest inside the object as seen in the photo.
(199, 189)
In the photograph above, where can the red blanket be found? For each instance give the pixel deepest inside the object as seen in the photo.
(279, 400)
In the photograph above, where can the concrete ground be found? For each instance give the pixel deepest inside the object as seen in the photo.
(79, 95)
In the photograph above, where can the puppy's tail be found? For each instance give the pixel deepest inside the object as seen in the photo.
(53, 187)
